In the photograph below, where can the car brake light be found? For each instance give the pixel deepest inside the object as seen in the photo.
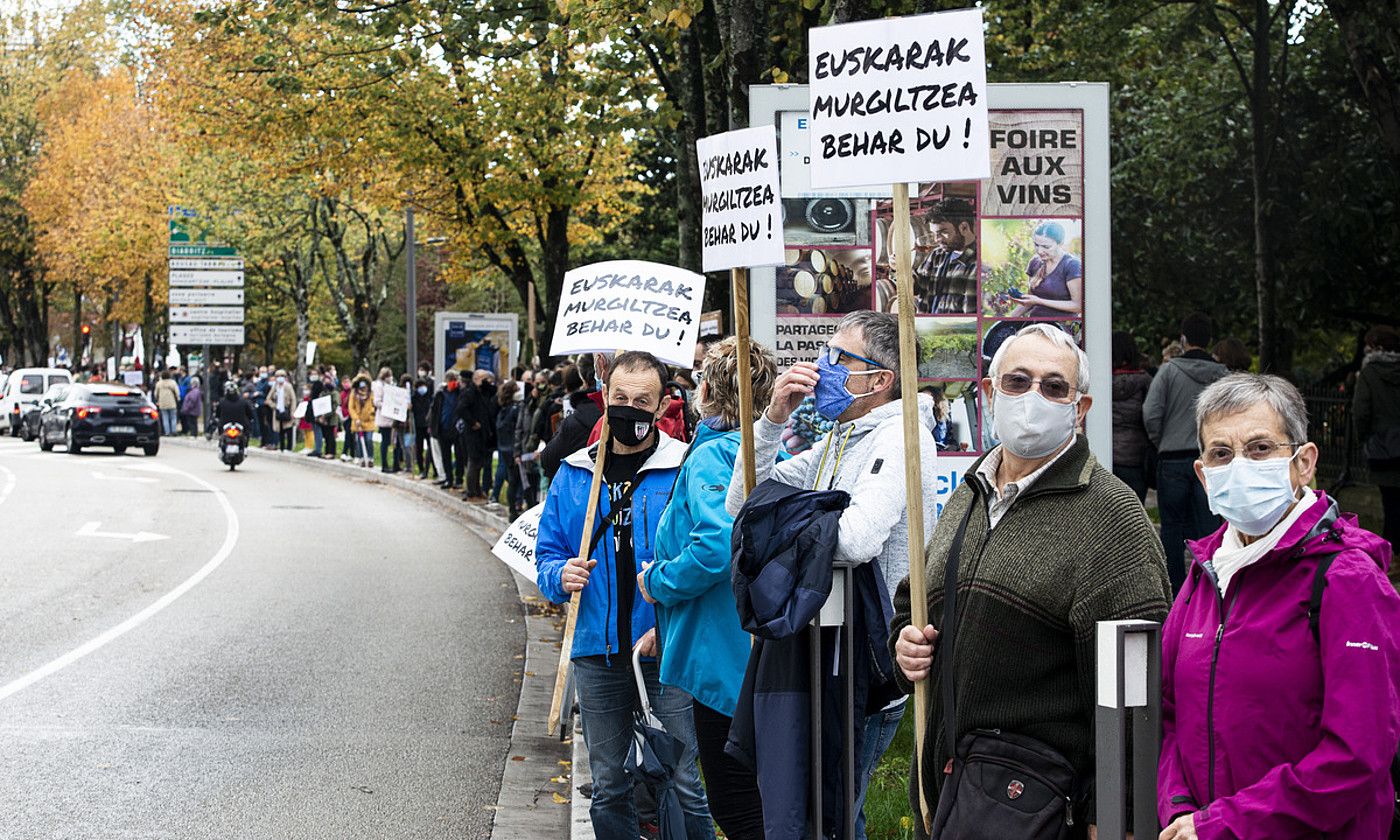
(150, 412)
(85, 410)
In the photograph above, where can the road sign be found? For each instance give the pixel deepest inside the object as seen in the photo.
(212, 264)
(206, 297)
(206, 314)
(202, 251)
(227, 279)
(206, 334)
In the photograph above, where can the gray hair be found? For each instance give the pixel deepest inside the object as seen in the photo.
(879, 332)
(1055, 336)
(1242, 391)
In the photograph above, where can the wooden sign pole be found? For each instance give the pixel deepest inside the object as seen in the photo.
(561, 679)
(913, 478)
(739, 284)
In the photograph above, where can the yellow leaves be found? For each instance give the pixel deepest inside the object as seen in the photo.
(780, 76)
(679, 18)
(103, 179)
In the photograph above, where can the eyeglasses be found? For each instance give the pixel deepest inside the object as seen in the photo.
(1256, 450)
(1053, 388)
(833, 356)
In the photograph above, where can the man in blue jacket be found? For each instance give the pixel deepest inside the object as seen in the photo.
(613, 618)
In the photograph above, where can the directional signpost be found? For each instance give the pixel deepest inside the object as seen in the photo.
(206, 295)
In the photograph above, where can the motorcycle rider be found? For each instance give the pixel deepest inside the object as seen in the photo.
(235, 408)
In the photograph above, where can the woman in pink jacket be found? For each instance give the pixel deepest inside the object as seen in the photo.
(1277, 722)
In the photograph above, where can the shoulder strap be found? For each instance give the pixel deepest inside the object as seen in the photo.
(1315, 600)
(948, 634)
(607, 522)
(1324, 525)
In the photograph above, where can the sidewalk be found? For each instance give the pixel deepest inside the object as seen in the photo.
(537, 781)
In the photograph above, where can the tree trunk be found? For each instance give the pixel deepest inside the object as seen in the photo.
(76, 359)
(303, 336)
(690, 82)
(554, 259)
(1370, 30)
(1265, 268)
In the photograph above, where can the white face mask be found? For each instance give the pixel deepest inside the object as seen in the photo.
(1030, 426)
(1251, 495)
(281, 380)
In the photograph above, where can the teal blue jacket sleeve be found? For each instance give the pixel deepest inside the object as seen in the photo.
(704, 561)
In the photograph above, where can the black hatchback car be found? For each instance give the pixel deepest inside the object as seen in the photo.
(101, 415)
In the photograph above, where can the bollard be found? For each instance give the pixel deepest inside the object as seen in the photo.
(1129, 701)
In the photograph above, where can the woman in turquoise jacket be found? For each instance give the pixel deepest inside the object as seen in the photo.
(704, 650)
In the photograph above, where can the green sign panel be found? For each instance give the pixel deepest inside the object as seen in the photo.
(203, 251)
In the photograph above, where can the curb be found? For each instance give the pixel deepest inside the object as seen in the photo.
(537, 775)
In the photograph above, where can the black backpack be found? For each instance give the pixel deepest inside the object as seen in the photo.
(1314, 617)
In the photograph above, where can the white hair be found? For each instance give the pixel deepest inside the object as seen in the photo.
(1240, 392)
(1055, 336)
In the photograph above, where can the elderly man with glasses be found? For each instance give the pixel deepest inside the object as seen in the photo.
(1042, 543)
(855, 382)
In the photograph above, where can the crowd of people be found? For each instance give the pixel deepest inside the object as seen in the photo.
(1280, 656)
(1281, 637)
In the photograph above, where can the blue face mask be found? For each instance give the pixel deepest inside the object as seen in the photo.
(1251, 495)
(832, 397)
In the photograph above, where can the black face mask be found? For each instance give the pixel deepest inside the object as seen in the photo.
(630, 426)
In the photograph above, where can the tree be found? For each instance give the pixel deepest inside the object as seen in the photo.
(97, 198)
(1371, 31)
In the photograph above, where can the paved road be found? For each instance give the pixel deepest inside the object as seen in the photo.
(297, 655)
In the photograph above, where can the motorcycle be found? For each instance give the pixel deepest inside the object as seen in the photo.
(233, 445)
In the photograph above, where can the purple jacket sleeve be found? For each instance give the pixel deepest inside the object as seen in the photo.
(1173, 795)
(1360, 664)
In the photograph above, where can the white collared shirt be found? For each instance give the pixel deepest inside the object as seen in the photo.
(1002, 498)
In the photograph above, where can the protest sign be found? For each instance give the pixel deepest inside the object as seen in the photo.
(630, 305)
(133, 378)
(516, 547)
(321, 406)
(395, 403)
(742, 220)
(899, 100)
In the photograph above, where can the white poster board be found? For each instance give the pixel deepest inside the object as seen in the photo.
(898, 100)
(395, 403)
(516, 547)
(742, 219)
(133, 378)
(630, 305)
(321, 406)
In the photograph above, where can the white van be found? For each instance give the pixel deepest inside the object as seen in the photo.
(23, 389)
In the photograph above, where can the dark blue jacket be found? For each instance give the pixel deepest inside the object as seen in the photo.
(784, 548)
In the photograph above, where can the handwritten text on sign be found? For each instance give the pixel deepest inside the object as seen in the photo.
(516, 547)
(743, 222)
(630, 305)
(899, 100)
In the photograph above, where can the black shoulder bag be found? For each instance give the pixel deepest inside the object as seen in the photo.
(1003, 785)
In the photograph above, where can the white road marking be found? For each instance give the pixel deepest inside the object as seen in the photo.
(230, 540)
(89, 529)
(9, 484)
(101, 476)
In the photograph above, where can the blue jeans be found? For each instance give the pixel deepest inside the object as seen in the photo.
(1185, 513)
(607, 695)
(879, 732)
(168, 419)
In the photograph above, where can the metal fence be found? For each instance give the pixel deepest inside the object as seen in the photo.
(1330, 426)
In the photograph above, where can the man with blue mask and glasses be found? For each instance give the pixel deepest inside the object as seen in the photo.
(855, 382)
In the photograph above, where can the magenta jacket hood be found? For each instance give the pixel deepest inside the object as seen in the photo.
(1268, 733)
